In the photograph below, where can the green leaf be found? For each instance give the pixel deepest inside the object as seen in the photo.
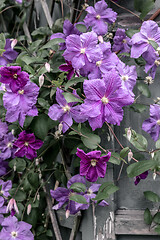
(140, 61)
(49, 233)
(143, 88)
(42, 102)
(105, 190)
(78, 198)
(52, 43)
(73, 82)
(151, 196)
(19, 163)
(78, 187)
(156, 218)
(137, 140)
(71, 98)
(2, 41)
(19, 196)
(131, 32)
(44, 31)
(91, 140)
(124, 152)
(81, 27)
(147, 216)
(139, 107)
(33, 179)
(115, 158)
(158, 144)
(154, 44)
(143, 6)
(157, 229)
(137, 168)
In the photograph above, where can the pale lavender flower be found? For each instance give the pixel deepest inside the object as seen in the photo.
(121, 41)
(92, 165)
(152, 124)
(3, 167)
(13, 76)
(27, 145)
(6, 147)
(140, 41)
(21, 104)
(82, 50)
(9, 54)
(151, 68)
(68, 29)
(63, 111)
(3, 129)
(128, 75)
(12, 229)
(2, 209)
(62, 196)
(104, 100)
(99, 16)
(5, 187)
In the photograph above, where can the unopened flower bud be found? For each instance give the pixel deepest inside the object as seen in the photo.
(29, 207)
(100, 39)
(152, 154)
(41, 80)
(67, 213)
(12, 207)
(13, 43)
(37, 162)
(12, 131)
(110, 35)
(47, 66)
(40, 175)
(60, 127)
(38, 197)
(130, 155)
(14, 167)
(129, 134)
(154, 176)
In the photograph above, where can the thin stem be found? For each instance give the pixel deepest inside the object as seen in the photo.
(7, 8)
(155, 15)
(114, 135)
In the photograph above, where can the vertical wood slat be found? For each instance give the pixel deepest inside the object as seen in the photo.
(47, 13)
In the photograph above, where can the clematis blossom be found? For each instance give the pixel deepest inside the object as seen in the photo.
(6, 147)
(121, 43)
(139, 177)
(92, 165)
(98, 17)
(9, 54)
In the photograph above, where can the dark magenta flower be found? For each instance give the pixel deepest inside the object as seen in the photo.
(6, 146)
(68, 68)
(62, 195)
(82, 50)
(22, 103)
(13, 76)
(12, 229)
(152, 124)
(140, 41)
(68, 29)
(139, 177)
(8, 55)
(64, 112)
(99, 16)
(92, 165)
(104, 100)
(27, 145)
(121, 43)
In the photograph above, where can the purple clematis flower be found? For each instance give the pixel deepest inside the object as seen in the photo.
(22, 103)
(14, 77)
(8, 55)
(153, 67)
(92, 165)
(68, 29)
(6, 147)
(3, 167)
(62, 196)
(5, 187)
(152, 125)
(27, 145)
(104, 100)
(99, 16)
(64, 112)
(128, 75)
(82, 50)
(2, 209)
(141, 41)
(139, 177)
(3, 129)
(121, 41)
(12, 229)
(68, 68)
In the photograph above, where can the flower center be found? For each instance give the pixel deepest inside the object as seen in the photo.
(148, 80)
(98, 16)
(124, 41)
(21, 92)
(157, 63)
(105, 100)
(9, 145)
(26, 144)
(124, 77)
(2, 192)
(158, 50)
(158, 122)
(14, 234)
(83, 50)
(93, 162)
(15, 76)
(89, 192)
(66, 108)
(98, 63)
